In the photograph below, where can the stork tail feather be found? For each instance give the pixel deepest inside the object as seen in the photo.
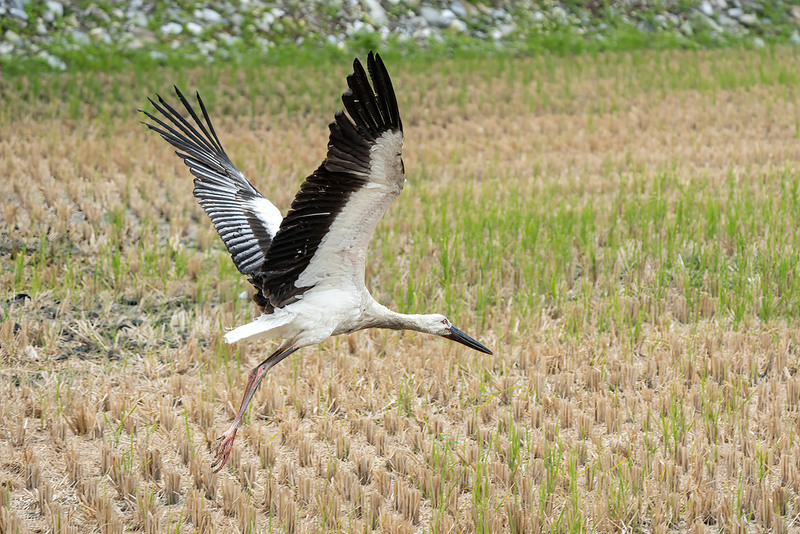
(264, 326)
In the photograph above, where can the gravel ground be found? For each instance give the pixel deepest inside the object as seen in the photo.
(61, 32)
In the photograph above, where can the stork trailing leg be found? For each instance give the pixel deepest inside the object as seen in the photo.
(222, 448)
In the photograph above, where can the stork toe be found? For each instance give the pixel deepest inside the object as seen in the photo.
(222, 449)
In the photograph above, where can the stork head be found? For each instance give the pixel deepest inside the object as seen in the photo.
(441, 326)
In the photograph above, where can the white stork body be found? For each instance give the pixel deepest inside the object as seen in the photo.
(322, 312)
(307, 268)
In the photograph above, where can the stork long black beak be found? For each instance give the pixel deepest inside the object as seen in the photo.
(464, 339)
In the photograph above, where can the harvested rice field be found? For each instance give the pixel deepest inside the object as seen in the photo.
(621, 230)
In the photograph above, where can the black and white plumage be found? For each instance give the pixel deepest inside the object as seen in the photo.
(244, 219)
(307, 268)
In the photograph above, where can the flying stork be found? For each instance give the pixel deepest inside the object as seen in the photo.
(307, 268)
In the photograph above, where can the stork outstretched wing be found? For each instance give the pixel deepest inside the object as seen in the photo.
(333, 216)
(245, 220)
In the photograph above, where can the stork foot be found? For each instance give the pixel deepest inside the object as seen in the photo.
(222, 449)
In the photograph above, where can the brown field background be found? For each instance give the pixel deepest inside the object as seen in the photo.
(114, 378)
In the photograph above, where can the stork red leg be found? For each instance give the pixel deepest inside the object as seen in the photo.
(222, 448)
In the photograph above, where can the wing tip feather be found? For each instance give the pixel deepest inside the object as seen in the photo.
(374, 91)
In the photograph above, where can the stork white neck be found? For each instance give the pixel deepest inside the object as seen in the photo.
(379, 316)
